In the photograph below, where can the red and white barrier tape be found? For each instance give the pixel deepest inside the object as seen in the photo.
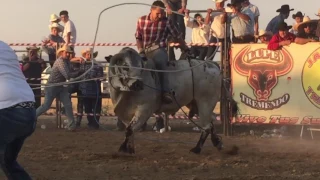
(114, 44)
(32, 79)
(114, 116)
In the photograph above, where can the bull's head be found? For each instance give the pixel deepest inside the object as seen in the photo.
(263, 76)
(124, 72)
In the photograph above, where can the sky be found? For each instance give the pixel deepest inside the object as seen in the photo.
(26, 21)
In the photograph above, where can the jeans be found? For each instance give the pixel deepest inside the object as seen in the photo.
(200, 52)
(92, 105)
(16, 124)
(160, 58)
(54, 92)
(179, 21)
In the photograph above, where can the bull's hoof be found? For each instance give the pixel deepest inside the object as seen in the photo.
(196, 150)
(123, 148)
(217, 143)
(131, 150)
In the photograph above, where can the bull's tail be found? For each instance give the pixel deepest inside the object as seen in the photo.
(234, 105)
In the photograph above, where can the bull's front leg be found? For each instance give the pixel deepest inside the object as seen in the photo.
(216, 139)
(140, 118)
(203, 137)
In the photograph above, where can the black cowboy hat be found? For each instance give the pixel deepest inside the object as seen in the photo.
(235, 2)
(298, 14)
(285, 8)
(284, 26)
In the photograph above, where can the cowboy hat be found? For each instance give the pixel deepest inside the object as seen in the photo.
(219, 1)
(318, 13)
(285, 8)
(263, 32)
(95, 54)
(31, 48)
(284, 26)
(54, 17)
(56, 25)
(64, 48)
(298, 14)
(235, 2)
(306, 20)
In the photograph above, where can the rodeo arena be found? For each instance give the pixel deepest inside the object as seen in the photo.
(146, 111)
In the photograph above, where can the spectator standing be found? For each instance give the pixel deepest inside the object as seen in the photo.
(217, 27)
(256, 12)
(298, 17)
(306, 31)
(32, 68)
(284, 13)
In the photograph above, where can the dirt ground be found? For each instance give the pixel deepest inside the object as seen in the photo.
(54, 154)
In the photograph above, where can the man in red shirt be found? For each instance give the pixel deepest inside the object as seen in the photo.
(282, 38)
(151, 35)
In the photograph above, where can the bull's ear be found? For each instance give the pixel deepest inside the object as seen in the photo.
(108, 58)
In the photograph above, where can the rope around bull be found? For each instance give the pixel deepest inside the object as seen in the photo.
(168, 71)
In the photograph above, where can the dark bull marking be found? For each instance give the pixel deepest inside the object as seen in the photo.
(263, 77)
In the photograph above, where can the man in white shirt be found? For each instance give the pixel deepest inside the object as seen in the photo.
(217, 27)
(70, 32)
(17, 113)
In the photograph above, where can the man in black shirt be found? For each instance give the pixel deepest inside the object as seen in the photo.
(32, 68)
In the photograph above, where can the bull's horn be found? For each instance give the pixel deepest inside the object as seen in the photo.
(285, 65)
(242, 67)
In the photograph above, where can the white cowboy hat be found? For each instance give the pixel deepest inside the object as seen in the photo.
(263, 32)
(56, 25)
(318, 13)
(306, 20)
(84, 51)
(54, 17)
(219, 1)
(64, 48)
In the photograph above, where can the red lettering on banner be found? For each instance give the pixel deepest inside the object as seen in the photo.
(263, 54)
(246, 118)
(310, 120)
(283, 120)
(316, 57)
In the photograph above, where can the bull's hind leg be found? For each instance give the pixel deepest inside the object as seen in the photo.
(216, 139)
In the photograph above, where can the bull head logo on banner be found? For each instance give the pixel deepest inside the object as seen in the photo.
(262, 68)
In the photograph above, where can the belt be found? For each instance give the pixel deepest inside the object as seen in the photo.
(151, 48)
(26, 105)
(244, 37)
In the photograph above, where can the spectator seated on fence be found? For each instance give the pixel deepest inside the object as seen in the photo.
(298, 17)
(91, 89)
(60, 73)
(264, 36)
(282, 38)
(56, 19)
(53, 42)
(200, 35)
(306, 31)
(32, 68)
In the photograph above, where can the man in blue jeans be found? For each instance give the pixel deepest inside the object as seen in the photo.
(17, 113)
(60, 73)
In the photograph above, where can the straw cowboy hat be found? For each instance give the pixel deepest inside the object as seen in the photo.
(54, 17)
(83, 52)
(32, 48)
(56, 25)
(263, 32)
(306, 20)
(219, 1)
(64, 48)
(298, 14)
(284, 8)
(318, 13)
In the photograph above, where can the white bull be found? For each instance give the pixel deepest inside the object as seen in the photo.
(136, 96)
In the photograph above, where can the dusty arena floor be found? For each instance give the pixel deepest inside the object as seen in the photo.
(92, 155)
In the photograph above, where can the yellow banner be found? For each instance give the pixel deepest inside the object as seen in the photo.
(276, 87)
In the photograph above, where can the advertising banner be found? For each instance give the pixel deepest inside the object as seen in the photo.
(276, 87)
